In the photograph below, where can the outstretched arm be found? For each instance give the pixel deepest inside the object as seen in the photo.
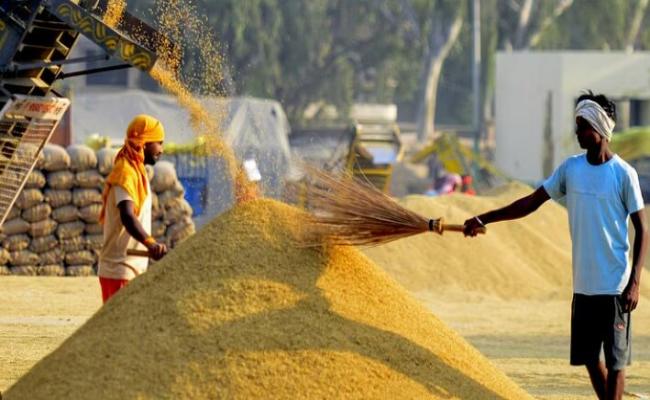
(518, 209)
(631, 292)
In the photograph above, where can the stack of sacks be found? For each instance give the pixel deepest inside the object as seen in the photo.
(29, 227)
(81, 238)
(172, 214)
(54, 228)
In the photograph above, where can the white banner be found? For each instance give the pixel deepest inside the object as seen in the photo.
(51, 108)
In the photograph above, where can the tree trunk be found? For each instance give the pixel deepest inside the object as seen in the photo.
(559, 9)
(635, 25)
(426, 122)
(523, 23)
(441, 44)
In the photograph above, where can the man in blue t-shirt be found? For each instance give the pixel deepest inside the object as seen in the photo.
(601, 191)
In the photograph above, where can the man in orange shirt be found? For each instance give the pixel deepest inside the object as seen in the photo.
(126, 211)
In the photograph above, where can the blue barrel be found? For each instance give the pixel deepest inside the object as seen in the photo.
(195, 192)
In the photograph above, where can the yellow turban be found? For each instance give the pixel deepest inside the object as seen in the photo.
(129, 172)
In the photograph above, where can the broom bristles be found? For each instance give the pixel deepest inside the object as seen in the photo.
(348, 211)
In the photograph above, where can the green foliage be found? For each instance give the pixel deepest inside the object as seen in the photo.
(335, 52)
(591, 25)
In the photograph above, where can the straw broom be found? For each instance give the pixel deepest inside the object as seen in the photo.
(347, 211)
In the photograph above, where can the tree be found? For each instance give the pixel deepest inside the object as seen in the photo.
(437, 38)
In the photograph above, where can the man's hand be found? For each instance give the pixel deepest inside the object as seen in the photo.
(472, 226)
(631, 296)
(157, 250)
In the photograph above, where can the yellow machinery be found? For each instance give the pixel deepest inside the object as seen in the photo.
(367, 149)
(459, 159)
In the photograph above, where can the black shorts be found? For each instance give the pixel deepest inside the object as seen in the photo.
(600, 323)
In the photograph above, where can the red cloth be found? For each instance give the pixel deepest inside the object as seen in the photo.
(111, 286)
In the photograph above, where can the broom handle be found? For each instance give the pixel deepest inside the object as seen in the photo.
(137, 253)
(461, 228)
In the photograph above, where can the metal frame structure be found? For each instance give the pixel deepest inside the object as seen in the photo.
(36, 38)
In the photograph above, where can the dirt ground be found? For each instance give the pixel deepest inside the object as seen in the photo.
(529, 340)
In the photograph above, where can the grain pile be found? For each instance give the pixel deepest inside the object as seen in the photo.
(53, 229)
(237, 311)
(526, 258)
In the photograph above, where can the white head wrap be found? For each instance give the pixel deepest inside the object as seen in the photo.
(593, 113)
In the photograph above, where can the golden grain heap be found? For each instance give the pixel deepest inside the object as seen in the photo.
(237, 311)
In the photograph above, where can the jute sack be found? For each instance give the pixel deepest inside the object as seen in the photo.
(43, 244)
(164, 176)
(29, 198)
(23, 257)
(70, 230)
(105, 160)
(90, 213)
(156, 210)
(4, 270)
(58, 198)
(13, 213)
(76, 243)
(82, 157)
(24, 270)
(65, 214)
(15, 226)
(37, 213)
(60, 180)
(35, 180)
(155, 201)
(158, 228)
(16, 242)
(94, 242)
(42, 228)
(83, 257)
(5, 257)
(90, 179)
(84, 197)
(179, 211)
(79, 270)
(26, 151)
(55, 158)
(54, 256)
(180, 231)
(166, 198)
(178, 189)
(94, 229)
(50, 270)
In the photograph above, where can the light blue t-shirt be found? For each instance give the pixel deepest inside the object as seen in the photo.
(599, 199)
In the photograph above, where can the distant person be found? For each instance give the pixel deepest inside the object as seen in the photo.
(447, 184)
(601, 191)
(126, 208)
(467, 185)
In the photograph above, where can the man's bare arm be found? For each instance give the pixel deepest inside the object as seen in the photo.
(639, 249)
(518, 209)
(135, 229)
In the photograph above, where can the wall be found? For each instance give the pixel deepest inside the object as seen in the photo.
(525, 79)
